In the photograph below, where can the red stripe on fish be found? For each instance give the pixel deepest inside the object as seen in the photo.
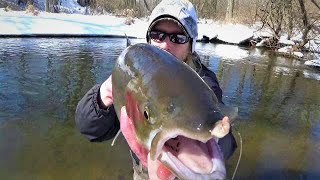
(128, 131)
(132, 108)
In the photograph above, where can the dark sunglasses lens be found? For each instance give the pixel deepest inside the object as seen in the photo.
(179, 38)
(157, 36)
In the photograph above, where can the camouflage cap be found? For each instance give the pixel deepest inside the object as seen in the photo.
(181, 11)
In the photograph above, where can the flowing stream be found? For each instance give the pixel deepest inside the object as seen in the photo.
(42, 79)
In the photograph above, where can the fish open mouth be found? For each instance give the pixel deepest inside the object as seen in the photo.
(189, 158)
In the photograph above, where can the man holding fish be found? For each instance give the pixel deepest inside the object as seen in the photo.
(167, 104)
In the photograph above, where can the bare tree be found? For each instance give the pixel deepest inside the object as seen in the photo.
(213, 10)
(315, 3)
(147, 6)
(289, 17)
(230, 9)
(272, 16)
(47, 9)
(256, 9)
(307, 26)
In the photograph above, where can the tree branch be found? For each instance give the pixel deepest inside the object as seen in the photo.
(315, 3)
(147, 6)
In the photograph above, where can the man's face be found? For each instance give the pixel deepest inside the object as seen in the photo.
(180, 51)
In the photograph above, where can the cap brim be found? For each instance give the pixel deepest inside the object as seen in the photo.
(168, 19)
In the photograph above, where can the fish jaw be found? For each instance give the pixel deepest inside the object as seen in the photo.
(182, 171)
(186, 158)
(160, 157)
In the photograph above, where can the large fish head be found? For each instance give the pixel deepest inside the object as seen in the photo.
(168, 113)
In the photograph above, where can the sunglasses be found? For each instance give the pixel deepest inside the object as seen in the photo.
(159, 36)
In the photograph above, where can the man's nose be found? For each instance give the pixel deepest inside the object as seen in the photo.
(165, 44)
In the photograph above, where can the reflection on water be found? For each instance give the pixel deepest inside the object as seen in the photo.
(41, 81)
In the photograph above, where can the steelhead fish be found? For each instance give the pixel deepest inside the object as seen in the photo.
(168, 115)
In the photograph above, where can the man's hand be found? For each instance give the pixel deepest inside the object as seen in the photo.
(106, 92)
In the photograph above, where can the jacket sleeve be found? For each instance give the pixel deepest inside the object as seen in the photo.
(228, 143)
(211, 79)
(94, 120)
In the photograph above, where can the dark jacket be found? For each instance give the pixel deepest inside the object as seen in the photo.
(99, 123)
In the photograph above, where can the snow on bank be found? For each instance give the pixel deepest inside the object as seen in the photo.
(288, 50)
(22, 23)
(315, 62)
(230, 33)
(18, 23)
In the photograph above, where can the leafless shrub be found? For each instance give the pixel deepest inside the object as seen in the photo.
(272, 16)
(291, 17)
(129, 21)
(8, 8)
(125, 13)
(31, 9)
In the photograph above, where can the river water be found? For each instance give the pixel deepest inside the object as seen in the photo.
(42, 79)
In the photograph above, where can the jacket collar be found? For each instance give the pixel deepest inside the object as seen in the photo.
(193, 60)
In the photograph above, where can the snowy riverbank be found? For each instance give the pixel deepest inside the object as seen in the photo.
(23, 23)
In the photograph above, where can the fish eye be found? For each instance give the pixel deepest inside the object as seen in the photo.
(146, 113)
(171, 107)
